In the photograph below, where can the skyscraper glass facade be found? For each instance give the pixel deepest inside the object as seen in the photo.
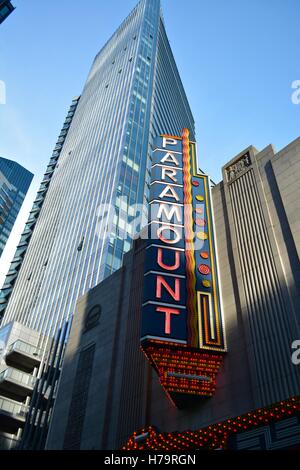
(14, 183)
(81, 232)
(6, 8)
(21, 250)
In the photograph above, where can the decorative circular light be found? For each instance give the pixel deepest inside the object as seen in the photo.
(195, 183)
(202, 235)
(204, 269)
(199, 197)
(206, 283)
(199, 210)
(200, 222)
(204, 254)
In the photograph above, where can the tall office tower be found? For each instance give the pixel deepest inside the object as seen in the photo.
(28, 360)
(14, 183)
(76, 227)
(6, 8)
(17, 261)
(132, 94)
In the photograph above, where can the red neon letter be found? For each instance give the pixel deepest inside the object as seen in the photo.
(166, 266)
(160, 281)
(168, 311)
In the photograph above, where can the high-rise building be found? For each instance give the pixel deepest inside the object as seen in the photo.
(6, 8)
(133, 93)
(14, 183)
(99, 171)
(21, 250)
(108, 387)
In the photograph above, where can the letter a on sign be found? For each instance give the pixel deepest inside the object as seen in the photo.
(169, 191)
(170, 158)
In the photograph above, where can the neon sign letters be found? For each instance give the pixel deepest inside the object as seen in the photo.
(182, 325)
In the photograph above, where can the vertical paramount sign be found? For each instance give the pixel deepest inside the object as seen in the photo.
(182, 324)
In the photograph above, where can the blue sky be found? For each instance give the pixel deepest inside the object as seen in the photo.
(237, 60)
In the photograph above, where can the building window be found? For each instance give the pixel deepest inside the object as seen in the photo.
(79, 398)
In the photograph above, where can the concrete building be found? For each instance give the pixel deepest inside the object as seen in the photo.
(20, 359)
(108, 389)
(257, 224)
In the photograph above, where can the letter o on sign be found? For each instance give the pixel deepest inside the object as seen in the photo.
(167, 229)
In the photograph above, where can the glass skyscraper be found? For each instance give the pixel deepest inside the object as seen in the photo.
(14, 183)
(80, 225)
(6, 8)
(74, 237)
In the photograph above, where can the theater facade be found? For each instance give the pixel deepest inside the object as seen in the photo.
(192, 345)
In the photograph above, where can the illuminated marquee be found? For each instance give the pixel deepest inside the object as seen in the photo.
(182, 325)
(260, 425)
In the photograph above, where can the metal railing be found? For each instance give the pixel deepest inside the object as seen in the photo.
(13, 407)
(26, 348)
(7, 443)
(17, 377)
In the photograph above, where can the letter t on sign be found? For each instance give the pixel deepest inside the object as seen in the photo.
(168, 311)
